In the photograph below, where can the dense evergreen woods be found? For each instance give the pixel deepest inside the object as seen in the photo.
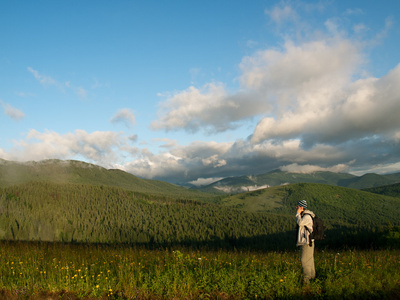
(339, 205)
(392, 190)
(44, 211)
(336, 205)
(84, 213)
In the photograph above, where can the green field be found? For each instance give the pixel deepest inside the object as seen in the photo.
(72, 271)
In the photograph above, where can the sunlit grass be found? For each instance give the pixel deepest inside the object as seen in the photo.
(122, 272)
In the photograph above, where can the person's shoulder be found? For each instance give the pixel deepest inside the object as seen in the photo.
(309, 212)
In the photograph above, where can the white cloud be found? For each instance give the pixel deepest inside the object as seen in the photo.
(210, 108)
(241, 189)
(356, 11)
(281, 14)
(379, 169)
(49, 81)
(307, 169)
(99, 146)
(167, 143)
(184, 163)
(301, 68)
(81, 92)
(312, 90)
(164, 165)
(124, 116)
(23, 94)
(214, 161)
(45, 80)
(360, 28)
(204, 181)
(12, 112)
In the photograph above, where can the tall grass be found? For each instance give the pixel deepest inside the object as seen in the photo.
(122, 272)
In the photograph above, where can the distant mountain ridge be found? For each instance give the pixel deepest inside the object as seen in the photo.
(72, 171)
(241, 184)
(78, 172)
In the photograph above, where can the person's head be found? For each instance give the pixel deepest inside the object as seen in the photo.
(301, 205)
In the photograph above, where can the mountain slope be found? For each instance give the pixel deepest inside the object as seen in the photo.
(368, 180)
(335, 204)
(58, 171)
(275, 178)
(392, 190)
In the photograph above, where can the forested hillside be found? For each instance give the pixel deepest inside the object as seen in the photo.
(87, 213)
(334, 204)
(392, 190)
(84, 213)
(58, 171)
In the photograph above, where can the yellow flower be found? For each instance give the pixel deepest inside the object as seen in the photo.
(97, 286)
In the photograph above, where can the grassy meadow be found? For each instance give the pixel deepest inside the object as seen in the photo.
(82, 271)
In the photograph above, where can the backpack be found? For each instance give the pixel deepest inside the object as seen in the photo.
(318, 229)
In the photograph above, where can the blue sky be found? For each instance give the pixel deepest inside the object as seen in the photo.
(195, 91)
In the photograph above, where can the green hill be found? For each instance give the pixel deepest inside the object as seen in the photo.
(334, 204)
(392, 190)
(58, 171)
(368, 181)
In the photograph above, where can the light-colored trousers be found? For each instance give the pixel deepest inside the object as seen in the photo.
(307, 262)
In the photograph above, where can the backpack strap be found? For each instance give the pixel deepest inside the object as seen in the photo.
(302, 215)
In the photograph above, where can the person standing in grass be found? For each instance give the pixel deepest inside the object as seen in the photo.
(304, 219)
